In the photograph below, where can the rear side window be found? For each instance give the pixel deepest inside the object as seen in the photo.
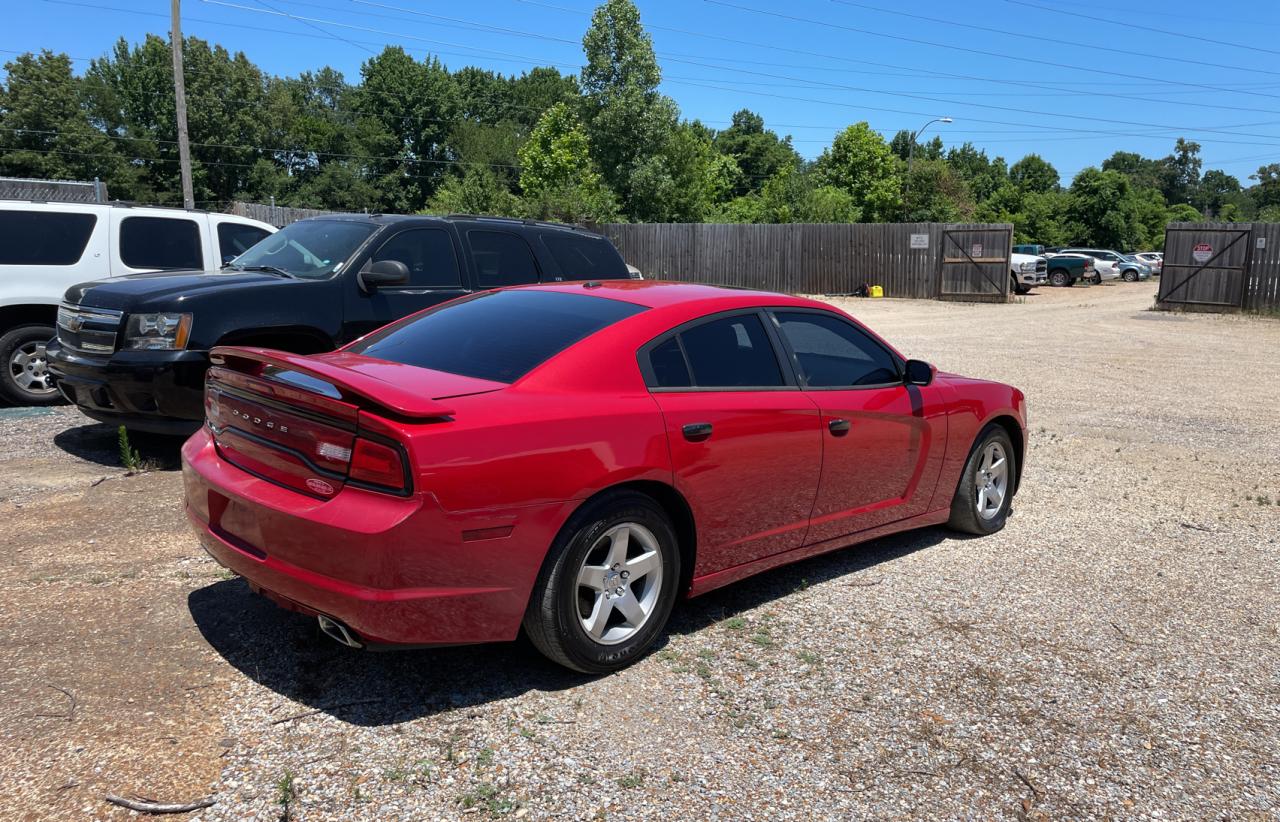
(833, 354)
(501, 259)
(235, 239)
(44, 237)
(428, 252)
(499, 336)
(584, 258)
(160, 242)
(732, 352)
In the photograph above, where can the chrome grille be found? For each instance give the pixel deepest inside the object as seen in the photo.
(88, 329)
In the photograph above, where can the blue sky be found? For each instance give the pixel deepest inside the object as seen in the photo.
(1072, 81)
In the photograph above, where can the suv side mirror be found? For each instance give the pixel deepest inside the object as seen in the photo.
(382, 273)
(919, 372)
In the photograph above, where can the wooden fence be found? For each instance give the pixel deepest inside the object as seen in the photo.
(278, 216)
(920, 260)
(1221, 267)
(53, 191)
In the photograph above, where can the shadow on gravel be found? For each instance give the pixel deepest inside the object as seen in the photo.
(287, 653)
(99, 442)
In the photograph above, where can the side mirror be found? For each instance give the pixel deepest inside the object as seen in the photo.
(919, 372)
(382, 273)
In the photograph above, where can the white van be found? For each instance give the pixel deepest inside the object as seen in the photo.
(45, 248)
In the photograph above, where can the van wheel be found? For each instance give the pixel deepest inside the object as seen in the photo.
(26, 379)
(607, 586)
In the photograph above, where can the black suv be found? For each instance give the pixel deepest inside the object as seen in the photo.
(133, 350)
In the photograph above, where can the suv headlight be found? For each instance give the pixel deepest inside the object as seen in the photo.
(157, 332)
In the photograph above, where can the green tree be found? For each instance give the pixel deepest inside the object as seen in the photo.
(928, 150)
(557, 175)
(1266, 194)
(1215, 192)
(44, 125)
(758, 152)
(1180, 172)
(1034, 173)
(630, 124)
(478, 190)
(937, 194)
(860, 163)
(983, 174)
(1102, 211)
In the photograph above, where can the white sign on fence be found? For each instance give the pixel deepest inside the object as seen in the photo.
(919, 240)
(1261, 242)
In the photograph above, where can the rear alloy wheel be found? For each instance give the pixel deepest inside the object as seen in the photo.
(1059, 277)
(1097, 279)
(607, 586)
(1131, 276)
(26, 379)
(983, 498)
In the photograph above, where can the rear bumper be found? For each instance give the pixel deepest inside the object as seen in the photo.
(157, 391)
(396, 571)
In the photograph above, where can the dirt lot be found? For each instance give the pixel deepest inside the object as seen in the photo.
(1114, 652)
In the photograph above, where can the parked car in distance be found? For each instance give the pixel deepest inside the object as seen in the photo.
(133, 351)
(1103, 270)
(619, 446)
(1026, 271)
(1155, 259)
(45, 248)
(1066, 269)
(1127, 268)
(1032, 249)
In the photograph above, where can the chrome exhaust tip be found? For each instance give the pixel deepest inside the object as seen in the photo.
(338, 632)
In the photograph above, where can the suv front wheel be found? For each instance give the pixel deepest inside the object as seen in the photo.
(26, 379)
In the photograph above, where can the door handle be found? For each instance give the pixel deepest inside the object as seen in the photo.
(838, 427)
(696, 431)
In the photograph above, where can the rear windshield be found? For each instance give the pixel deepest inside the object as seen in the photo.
(585, 258)
(499, 336)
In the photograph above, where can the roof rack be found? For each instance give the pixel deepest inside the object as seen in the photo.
(519, 221)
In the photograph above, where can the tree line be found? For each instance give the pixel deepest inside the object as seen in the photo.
(605, 145)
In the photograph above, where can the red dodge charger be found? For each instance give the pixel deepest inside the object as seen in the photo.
(573, 458)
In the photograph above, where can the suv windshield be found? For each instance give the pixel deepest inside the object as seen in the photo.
(311, 249)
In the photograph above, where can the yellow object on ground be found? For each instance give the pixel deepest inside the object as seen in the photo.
(877, 291)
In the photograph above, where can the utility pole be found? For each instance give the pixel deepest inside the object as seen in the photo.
(180, 93)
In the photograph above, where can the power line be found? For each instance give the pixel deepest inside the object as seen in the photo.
(1128, 25)
(986, 53)
(1005, 33)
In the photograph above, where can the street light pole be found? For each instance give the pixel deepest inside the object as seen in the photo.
(911, 150)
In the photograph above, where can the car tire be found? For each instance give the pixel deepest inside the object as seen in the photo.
(600, 625)
(984, 495)
(1018, 288)
(25, 379)
(1131, 276)
(1059, 278)
(1097, 279)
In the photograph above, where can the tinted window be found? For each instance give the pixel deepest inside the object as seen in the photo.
(500, 336)
(428, 252)
(312, 249)
(235, 239)
(666, 361)
(584, 258)
(732, 352)
(501, 259)
(833, 354)
(43, 237)
(160, 242)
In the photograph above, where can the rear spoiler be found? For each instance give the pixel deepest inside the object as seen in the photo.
(351, 384)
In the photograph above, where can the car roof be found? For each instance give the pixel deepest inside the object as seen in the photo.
(670, 294)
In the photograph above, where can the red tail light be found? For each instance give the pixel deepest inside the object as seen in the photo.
(375, 463)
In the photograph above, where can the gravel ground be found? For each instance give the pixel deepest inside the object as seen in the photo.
(1114, 652)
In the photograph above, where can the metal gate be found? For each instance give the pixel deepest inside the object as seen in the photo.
(974, 263)
(1205, 266)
